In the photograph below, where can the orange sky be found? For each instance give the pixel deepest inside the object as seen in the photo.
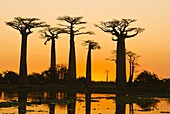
(152, 44)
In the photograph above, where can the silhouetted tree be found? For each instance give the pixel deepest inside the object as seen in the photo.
(146, 77)
(120, 29)
(91, 46)
(1, 78)
(132, 58)
(62, 72)
(72, 31)
(166, 80)
(24, 26)
(10, 77)
(51, 33)
(113, 57)
(46, 74)
(36, 78)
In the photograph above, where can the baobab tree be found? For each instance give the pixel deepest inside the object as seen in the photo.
(132, 58)
(91, 46)
(120, 31)
(73, 31)
(24, 26)
(51, 34)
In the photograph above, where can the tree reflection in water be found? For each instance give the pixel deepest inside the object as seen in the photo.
(88, 103)
(120, 106)
(52, 102)
(147, 104)
(71, 102)
(131, 108)
(69, 99)
(22, 101)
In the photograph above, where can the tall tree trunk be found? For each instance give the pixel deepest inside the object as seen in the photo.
(72, 62)
(23, 82)
(121, 63)
(88, 65)
(53, 62)
(133, 69)
(132, 72)
(130, 75)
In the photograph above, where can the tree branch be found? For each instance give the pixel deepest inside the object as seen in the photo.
(89, 32)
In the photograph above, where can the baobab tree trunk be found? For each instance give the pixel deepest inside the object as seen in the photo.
(53, 62)
(121, 63)
(72, 62)
(88, 65)
(23, 82)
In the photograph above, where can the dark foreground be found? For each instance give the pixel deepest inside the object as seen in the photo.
(153, 90)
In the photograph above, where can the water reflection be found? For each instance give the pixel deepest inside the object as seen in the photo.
(52, 103)
(75, 103)
(22, 101)
(120, 106)
(147, 104)
(72, 102)
(88, 102)
(131, 110)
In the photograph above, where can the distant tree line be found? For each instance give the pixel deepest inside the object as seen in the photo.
(10, 77)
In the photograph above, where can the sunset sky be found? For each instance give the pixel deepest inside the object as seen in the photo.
(153, 44)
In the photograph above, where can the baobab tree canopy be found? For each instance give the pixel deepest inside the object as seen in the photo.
(73, 21)
(120, 28)
(25, 24)
(51, 33)
(92, 45)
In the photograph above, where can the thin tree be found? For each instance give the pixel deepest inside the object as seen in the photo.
(132, 58)
(91, 46)
(51, 34)
(120, 31)
(73, 31)
(24, 26)
(113, 57)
